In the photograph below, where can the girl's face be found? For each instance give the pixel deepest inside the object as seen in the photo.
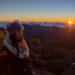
(19, 34)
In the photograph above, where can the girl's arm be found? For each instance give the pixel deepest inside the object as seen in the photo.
(24, 48)
(26, 51)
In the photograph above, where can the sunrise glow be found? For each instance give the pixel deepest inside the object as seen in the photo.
(70, 22)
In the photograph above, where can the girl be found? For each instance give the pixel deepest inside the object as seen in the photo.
(17, 51)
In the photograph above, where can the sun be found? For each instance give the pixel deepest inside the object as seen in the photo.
(70, 22)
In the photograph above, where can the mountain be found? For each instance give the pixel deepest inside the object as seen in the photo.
(54, 34)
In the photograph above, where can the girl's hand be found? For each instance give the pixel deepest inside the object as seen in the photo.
(26, 56)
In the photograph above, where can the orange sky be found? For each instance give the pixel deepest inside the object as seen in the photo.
(39, 19)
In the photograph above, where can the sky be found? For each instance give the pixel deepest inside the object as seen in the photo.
(37, 10)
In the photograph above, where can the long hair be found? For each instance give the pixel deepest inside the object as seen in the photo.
(14, 41)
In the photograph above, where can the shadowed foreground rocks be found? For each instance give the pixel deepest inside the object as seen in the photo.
(55, 61)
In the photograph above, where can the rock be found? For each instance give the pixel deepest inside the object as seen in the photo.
(44, 72)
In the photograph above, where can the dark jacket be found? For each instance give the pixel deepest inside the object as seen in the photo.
(10, 62)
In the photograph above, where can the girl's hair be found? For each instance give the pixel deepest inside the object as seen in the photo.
(14, 41)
